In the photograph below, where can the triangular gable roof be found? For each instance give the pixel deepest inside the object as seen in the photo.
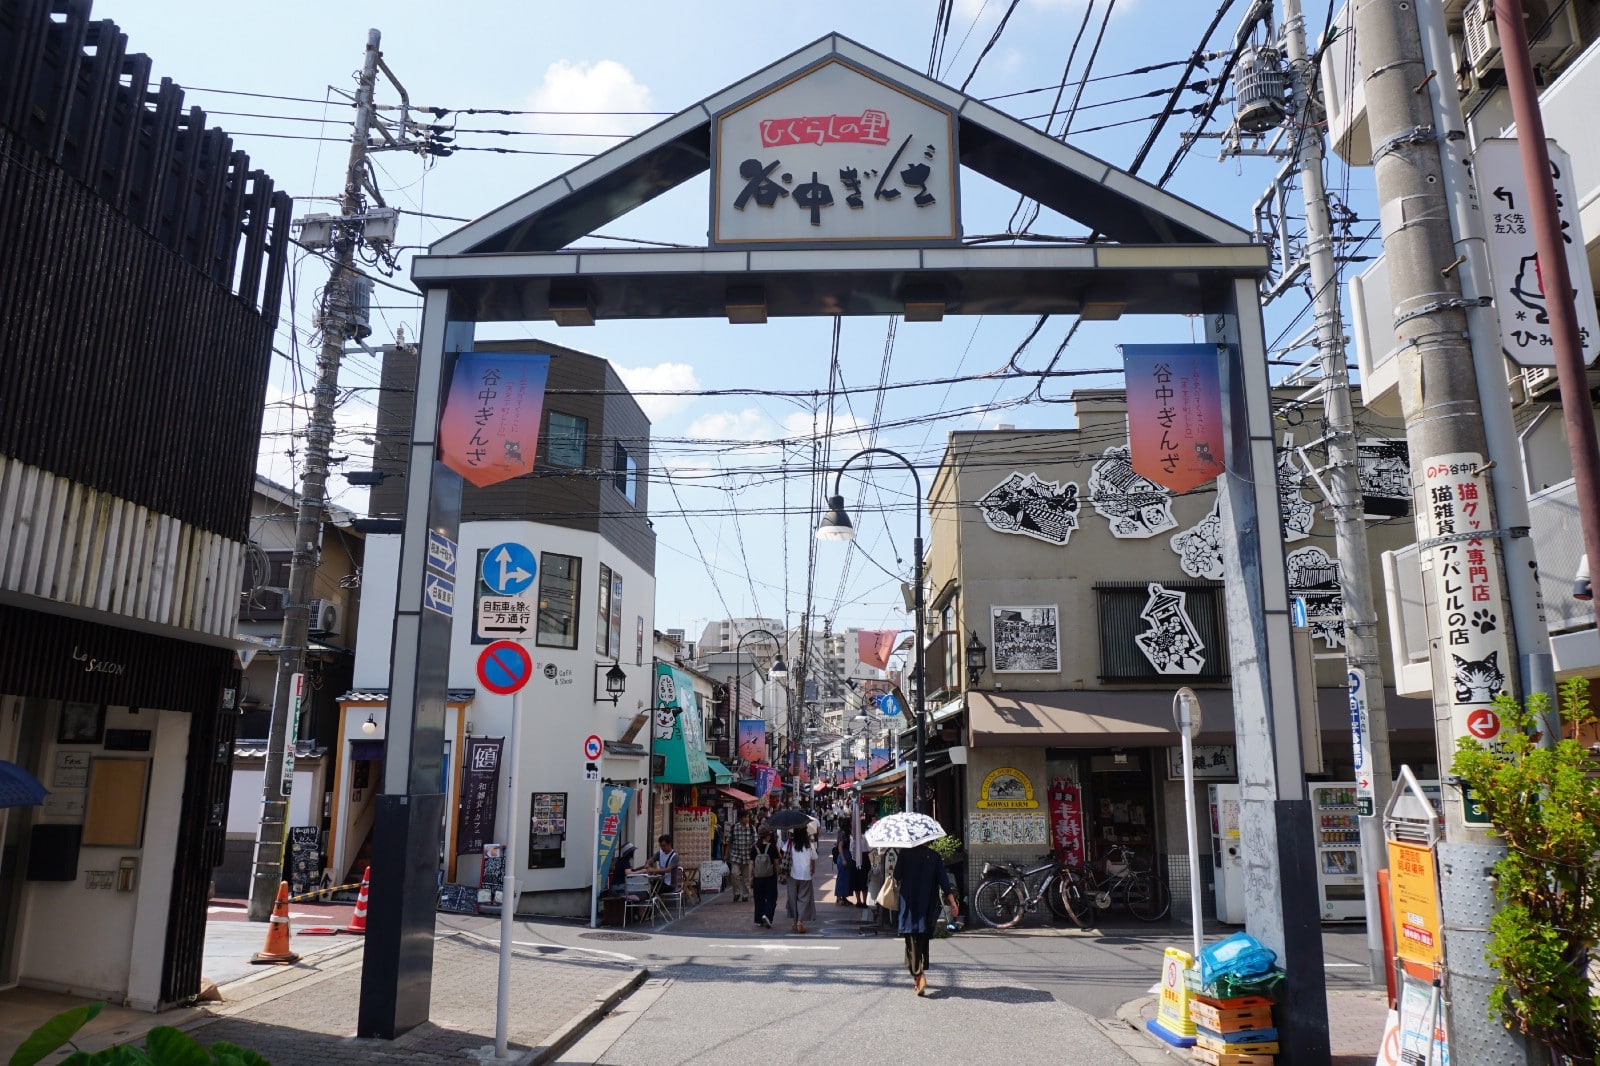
(1125, 209)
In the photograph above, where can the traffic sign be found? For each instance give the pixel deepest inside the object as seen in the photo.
(592, 747)
(591, 772)
(508, 569)
(442, 553)
(439, 594)
(504, 667)
(1360, 727)
(1483, 724)
(505, 616)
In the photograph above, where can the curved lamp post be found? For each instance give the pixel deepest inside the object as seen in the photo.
(778, 672)
(836, 526)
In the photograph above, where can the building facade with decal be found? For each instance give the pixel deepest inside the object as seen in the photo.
(583, 605)
(150, 262)
(1096, 594)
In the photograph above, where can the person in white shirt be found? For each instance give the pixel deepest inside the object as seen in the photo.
(802, 868)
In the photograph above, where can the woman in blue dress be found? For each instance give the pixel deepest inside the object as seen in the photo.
(844, 867)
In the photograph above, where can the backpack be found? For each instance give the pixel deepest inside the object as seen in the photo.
(763, 863)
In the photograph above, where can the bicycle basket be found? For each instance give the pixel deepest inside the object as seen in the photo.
(995, 872)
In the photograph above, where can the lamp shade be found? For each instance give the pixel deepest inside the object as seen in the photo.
(779, 671)
(836, 522)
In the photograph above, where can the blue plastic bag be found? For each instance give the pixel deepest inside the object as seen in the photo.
(1240, 955)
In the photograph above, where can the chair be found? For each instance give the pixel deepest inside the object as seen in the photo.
(671, 899)
(640, 900)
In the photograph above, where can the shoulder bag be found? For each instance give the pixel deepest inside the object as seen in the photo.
(889, 894)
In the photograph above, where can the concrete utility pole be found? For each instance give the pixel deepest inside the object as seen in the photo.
(334, 321)
(1374, 774)
(1453, 410)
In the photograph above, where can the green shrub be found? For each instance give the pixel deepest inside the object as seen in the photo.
(163, 1046)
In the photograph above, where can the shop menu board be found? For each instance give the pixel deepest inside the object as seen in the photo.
(493, 876)
(305, 858)
(547, 830)
(691, 834)
(458, 899)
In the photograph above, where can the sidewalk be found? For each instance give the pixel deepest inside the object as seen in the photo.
(1355, 1025)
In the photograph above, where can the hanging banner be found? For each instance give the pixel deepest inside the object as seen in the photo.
(861, 770)
(613, 805)
(878, 760)
(1174, 412)
(801, 768)
(679, 730)
(490, 427)
(1066, 821)
(480, 791)
(874, 646)
(752, 740)
(767, 780)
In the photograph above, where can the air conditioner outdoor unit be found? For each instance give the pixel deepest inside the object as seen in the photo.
(1539, 380)
(325, 618)
(1552, 35)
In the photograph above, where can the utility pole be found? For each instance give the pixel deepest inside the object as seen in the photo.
(1474, 575)
(335, 323)
(1374, 775)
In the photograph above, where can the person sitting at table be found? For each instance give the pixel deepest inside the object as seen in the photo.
(665, 863)
(617, 883)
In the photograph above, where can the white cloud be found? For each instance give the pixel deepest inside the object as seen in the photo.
(663, 377)
(592, 91)
(747, 425)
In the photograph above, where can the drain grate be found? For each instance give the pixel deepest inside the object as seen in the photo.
(614, 936)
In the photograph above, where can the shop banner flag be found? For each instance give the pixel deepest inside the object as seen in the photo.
(767, 780)
(874, 646)
(613, 805)
(1174, 412)
(480, 790)
(490, 425)
(861, 770)
(879, 760)
(752, 740)
(1066, 821)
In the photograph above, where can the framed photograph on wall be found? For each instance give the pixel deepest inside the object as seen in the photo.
(1025, 640)
(81, 723)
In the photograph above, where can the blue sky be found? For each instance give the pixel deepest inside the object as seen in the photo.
(733, 494)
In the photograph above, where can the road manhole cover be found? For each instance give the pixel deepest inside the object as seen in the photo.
(614, 936)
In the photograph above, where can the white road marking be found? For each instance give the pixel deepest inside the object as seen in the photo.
(1344, 966)
(779, 947)
(569, 947)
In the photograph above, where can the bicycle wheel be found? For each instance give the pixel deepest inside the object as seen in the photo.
(1075, 898)
(1052, 896)
(998, 903)
(1147, 897)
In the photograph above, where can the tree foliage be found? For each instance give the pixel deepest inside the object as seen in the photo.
(1544, 803)
(163, 1046)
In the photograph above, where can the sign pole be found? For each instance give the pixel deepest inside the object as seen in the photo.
(508, 883)
(1186, 707)
(594, 889)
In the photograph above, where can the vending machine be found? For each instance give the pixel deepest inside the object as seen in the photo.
(1227, 862)
(1337, 831)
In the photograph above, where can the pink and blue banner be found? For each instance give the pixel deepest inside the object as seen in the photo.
(879, 760)
(767, 780)
(1174, 413)
(752, 740)
(490, 427)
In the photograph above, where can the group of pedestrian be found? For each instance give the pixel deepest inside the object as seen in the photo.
(852, 869)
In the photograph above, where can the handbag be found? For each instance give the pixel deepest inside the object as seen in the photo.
(889, 894)
(784, 866)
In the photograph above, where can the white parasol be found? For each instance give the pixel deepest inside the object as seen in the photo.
(903, 830)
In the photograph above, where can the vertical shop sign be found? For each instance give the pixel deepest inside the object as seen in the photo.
(490, 427)
(480, 790)
(1174, 413)
(1066, 821)
(613, 805)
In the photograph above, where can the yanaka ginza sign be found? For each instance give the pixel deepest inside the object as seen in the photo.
(838, 156)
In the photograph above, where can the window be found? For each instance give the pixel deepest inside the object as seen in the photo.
(558, 600)
(602, 626)
(1168, 630)
(565, 437)
(625, 474)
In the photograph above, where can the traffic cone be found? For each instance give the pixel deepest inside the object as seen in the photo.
(358, 920)
(276, 952)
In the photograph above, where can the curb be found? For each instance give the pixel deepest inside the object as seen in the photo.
(568, 1034)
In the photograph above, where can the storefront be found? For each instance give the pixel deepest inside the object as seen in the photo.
(683, 786)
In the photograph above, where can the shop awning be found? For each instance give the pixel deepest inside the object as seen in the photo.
(1142, 718)
(744, 799)
(720, 774)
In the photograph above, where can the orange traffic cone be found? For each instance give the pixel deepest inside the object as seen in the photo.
(276, 951)
(358, 920)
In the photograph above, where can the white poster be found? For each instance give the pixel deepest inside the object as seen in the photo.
(1299, 513)
(1135, 506)
(1171, 643)
(1025, 505)
(1314, 578)
(1383, 467)
(1025, 640)
(1199, 548)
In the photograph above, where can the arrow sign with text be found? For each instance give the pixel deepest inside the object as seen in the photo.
(508, 569)
(439, 594)
(505, 616)
(442, 553)
(504, 667)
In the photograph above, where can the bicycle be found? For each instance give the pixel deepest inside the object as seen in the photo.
(1005, 896)
(1122, 882)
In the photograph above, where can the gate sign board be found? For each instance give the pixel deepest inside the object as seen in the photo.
(1518, 290)
(838, 155)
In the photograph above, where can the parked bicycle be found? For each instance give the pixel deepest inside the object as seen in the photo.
(1120, 880)
(1008, 892)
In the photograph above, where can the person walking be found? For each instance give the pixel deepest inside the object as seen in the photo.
(764, 877)
(802, 868)
(923, 881)
(843, 867)
(741, 843)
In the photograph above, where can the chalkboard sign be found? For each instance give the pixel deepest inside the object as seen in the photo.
(493, 876)
(458, 899)
(305, 858)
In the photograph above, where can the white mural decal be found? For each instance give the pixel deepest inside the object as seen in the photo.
(1199, 547)
(1384, 468)
(1025, 640)
(1314, 577)
(1135, 506)
(1172, 644)
(1298, 512)
(1024, 505)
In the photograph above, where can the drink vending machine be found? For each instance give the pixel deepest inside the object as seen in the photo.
(1227, 862)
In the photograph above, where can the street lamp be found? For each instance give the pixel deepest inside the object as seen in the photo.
(836, 525)
(777, 672)
(977, 659)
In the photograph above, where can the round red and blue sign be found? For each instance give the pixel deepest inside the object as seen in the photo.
(592, 747)
(504, 667)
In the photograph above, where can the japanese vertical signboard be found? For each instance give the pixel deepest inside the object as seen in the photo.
(1465, 568)
(613, 808)
(490, 428)
(1174, 413)
(1066, 821)
(1366, 795)
(1513, 261)
(480, 790)
(297, 695)
(1414, 901)
(834, 155)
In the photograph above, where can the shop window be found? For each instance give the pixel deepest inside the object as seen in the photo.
(625, 473)
(558, 600)
(602, 622)
(1170, 630)
(565, 438)
(547, 831)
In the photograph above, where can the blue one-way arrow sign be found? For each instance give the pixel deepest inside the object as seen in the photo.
(439, 594)
(509, 568)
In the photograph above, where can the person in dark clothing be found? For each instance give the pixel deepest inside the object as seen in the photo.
(764, 877)
(923, 881)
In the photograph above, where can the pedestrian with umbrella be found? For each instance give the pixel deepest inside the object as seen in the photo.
(920, 882)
